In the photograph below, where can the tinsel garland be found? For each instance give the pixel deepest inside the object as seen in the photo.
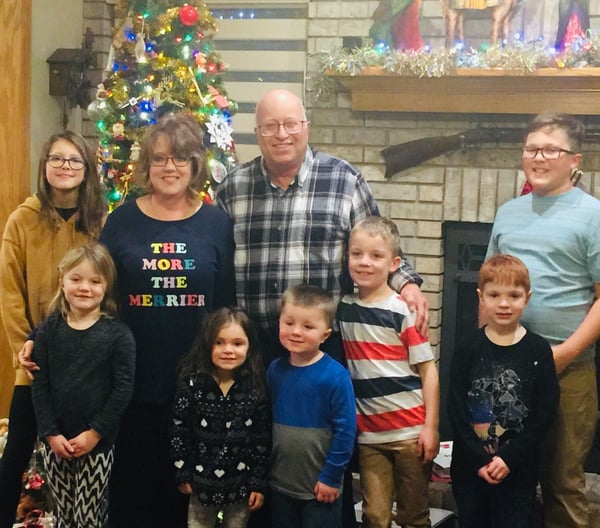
(517, 56)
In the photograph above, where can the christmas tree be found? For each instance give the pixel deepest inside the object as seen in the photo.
(162, 60)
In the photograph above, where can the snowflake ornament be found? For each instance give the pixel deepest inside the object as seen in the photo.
(220, 131)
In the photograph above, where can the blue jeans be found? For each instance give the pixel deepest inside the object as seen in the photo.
(288, 512)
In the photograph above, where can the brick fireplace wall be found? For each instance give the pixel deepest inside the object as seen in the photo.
(460, 186)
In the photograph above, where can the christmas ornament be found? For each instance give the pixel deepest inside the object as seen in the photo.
(114, 195)
(140, 48)
(118, 130)
(134, 153)
(217, 170)
(188, 15)
(220, 131)
(220, 101)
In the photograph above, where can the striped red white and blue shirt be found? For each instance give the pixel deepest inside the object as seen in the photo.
(383, 347)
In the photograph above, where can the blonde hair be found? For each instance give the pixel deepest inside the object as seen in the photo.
(383, 227)
(99, 257)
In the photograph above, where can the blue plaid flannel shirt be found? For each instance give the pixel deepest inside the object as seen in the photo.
(296, 236)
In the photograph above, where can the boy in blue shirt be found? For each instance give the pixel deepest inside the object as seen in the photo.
(313, 415)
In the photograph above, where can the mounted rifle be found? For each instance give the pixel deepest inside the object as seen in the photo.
(412, 153)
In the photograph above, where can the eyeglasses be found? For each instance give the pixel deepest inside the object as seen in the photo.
(291, 126)
(548, 153)
(58, 162)
(161, 161)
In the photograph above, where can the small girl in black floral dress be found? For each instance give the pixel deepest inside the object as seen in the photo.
(221, 429)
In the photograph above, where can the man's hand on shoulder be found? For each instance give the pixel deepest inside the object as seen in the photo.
(412, 295)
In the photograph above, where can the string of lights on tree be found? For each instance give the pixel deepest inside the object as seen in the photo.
(162, 60)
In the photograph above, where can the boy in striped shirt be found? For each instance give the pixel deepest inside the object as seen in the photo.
(395, 382)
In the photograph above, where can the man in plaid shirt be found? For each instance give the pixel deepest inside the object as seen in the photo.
(292, 210)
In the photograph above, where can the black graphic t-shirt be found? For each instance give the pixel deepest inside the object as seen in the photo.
(502, 399)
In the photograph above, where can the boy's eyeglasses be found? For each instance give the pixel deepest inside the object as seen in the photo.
(548, 153)
(58, 162)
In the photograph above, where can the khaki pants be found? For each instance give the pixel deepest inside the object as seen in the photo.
(389, 472)
(565, 449)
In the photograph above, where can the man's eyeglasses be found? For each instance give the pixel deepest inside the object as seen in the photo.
(58, 162)
(161, 161)
(548, 153)
(291, 126)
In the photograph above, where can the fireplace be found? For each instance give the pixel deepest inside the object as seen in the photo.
(465, 246)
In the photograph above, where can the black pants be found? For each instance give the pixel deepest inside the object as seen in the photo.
(22, 432)
(510, 504)
(142, 486)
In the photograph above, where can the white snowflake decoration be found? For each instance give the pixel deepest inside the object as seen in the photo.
(220, 131)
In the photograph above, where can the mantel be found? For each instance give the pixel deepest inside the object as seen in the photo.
(468, 90)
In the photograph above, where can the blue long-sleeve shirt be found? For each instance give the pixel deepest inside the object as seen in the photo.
(314, 425)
